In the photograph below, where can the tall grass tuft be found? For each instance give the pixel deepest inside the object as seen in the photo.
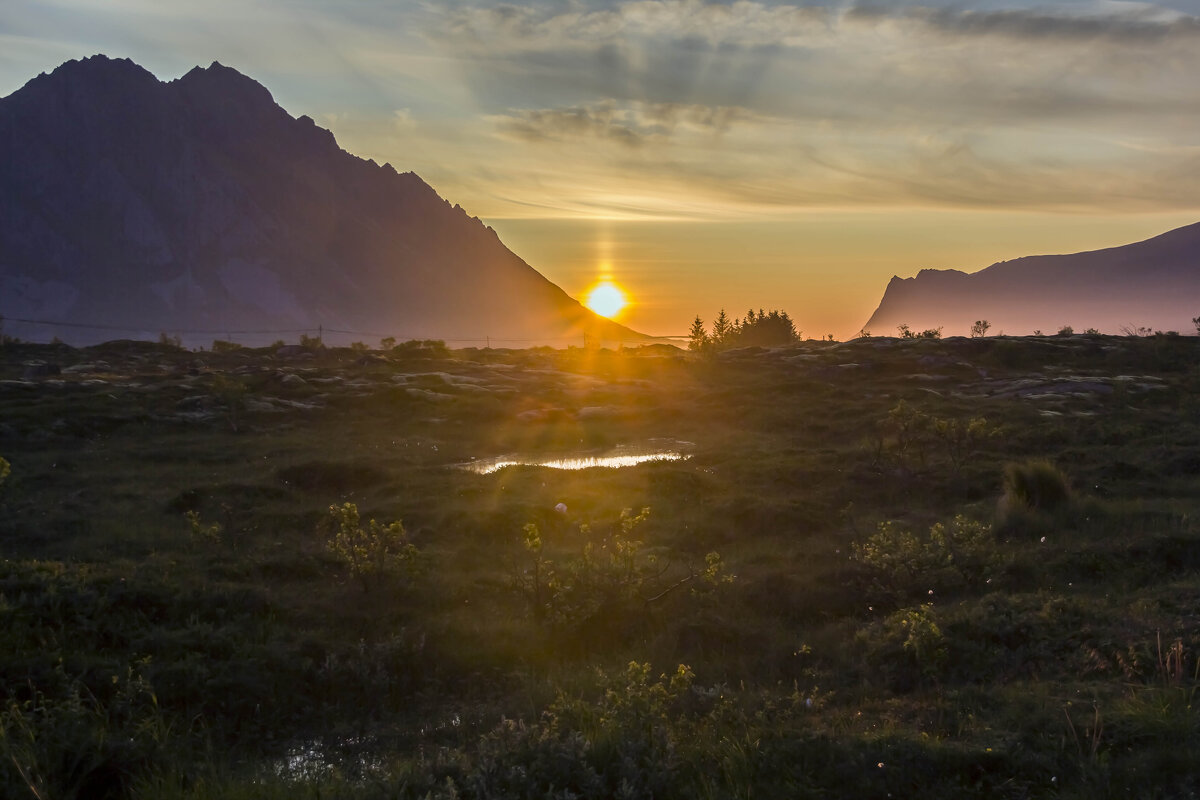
(1035, 485)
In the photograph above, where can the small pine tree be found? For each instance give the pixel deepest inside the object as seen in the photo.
(722, 329)
(697, 338)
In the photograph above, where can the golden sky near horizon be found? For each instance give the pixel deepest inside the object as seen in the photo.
(719, 154)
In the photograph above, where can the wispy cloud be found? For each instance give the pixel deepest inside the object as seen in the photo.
(1012, 105)
(631, 125)
(688, 107)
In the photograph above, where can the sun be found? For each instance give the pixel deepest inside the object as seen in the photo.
(606, 299)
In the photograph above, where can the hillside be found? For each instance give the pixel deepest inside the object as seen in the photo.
(141, 206)
(1153, 284)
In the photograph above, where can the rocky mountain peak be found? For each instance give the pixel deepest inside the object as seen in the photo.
(200, 205)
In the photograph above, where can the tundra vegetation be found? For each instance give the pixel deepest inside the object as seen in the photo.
(916, 567)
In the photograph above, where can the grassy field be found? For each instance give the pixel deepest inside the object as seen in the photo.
(885, 568)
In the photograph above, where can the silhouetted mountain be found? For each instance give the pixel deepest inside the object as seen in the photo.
(1153, 284)
(200, 204)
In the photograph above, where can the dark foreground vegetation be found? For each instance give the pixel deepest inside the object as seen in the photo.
(905, 568)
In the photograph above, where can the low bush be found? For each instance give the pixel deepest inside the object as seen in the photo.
(903, 565)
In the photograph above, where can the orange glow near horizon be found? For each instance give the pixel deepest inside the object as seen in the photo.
(606, 299)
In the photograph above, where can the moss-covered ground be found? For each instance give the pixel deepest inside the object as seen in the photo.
(837, 593)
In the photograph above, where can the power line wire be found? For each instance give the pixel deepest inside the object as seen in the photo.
(262, 332)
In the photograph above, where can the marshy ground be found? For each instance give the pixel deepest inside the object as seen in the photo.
(834, 594)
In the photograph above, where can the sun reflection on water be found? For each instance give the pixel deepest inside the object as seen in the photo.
(620, 457)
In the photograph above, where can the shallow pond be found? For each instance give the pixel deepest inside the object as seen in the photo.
(620, 456)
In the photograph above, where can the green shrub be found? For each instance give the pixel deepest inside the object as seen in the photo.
(78, 745)
(371, 554)
(424, 348)
(908, 333)
(904, 565)
(610, 584)
(209, 534)
(961, 438)
(628, 742)
(906, 647)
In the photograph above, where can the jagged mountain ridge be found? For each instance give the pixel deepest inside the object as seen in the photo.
(1153, 284)
(200, 204)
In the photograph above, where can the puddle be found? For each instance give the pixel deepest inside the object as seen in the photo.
(318, 759)
(617, 457)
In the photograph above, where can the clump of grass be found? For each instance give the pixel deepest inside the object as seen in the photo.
(1035, 486)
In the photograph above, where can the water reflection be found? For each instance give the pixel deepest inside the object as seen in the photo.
(623, 456)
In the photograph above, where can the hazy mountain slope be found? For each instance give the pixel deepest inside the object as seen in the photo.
(1155, 284)
(200, 204)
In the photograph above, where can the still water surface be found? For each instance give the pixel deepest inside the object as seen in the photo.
(621, 456)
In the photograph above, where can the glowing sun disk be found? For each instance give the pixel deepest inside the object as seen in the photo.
(606, 299)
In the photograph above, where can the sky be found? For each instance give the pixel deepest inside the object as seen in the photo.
(708, 155)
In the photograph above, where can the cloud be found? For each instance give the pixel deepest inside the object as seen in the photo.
(747, 25)
(1142, 26)
(744, 24)
(630, 125)
(862, 63)
(694, 108)
(402, 120)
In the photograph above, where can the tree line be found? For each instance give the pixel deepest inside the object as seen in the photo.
(761, 329)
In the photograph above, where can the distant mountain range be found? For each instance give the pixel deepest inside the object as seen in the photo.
(1153, 284)
(135, 205)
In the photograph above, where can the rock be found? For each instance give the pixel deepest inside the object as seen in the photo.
(425, 394)
(259, 406)
(195, 401)
(40, 369)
